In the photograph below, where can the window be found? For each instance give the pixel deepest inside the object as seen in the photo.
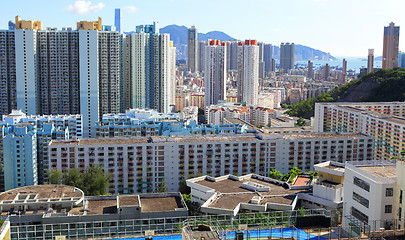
(400, 196)
(360, 199)
(388, 208)
(361, 183)
(359, 215)
(389, 192)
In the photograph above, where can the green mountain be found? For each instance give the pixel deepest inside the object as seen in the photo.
(385, 85)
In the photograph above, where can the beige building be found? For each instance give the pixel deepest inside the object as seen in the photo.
(140, 164)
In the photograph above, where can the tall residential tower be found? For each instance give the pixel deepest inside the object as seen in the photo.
(390, 47)
(370, 61)
(248, 72)
(192, 46)
(215, 72)
(287, 56)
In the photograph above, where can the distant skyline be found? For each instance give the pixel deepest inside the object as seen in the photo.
(341, 27)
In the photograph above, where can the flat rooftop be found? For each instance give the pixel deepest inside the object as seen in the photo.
(160, 204)
(231, 192)
(43, 192)
(380, 171)
(96, 207)
(100, 141)
(130, 200)
(294, 136)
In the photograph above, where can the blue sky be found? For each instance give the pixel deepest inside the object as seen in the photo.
(341, 27)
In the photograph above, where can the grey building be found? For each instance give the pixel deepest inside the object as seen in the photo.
(287, 56)
(192, 47)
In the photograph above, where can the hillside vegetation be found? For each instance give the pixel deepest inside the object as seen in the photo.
(385, 85)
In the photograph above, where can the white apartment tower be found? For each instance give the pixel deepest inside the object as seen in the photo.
(215, 72)
(148, 54)
(172, 62)
(248, 72)
(89, 92)
(26, 72)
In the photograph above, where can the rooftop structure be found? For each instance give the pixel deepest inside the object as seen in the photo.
(30, 24)
(230, 194)
(92, 25)
(60, 203)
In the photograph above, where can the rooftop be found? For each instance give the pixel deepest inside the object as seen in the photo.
(161, 204)
(231, 192)
(43, 192)
(128, 200)
(380, 171)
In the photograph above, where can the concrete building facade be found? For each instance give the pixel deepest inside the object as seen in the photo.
(140, 164)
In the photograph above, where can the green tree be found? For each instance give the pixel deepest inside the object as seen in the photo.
(73, 178)
(301, 122)
(95, 182)
(55, 176)
(192, 206)
(162, 187)
(183, 188)
(275, 174)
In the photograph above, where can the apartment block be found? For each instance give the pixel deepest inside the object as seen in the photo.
(257, 116)
(215, 72)
(384, 121)
(19, 156)
(248, 72)
(369, 189)
(149, 71)
(8, 94)
(139, 164)
(58, 71)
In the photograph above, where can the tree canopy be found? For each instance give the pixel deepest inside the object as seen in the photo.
(93, 181)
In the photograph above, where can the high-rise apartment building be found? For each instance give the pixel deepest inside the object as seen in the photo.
(58, 71)
(172, 72)
(8, 94)
(326, 72)
(215, 72)
(232, 55)
(26, 64)
(192, 49)
(148, 54)
(287, 56)
(344, 67)
(61, 71)
(310, 72)
(390, 46)
(370, 61)
(267, 57)
(261, 61)
(248, 72)
(201, 55)
(19, 143)
(99, 59)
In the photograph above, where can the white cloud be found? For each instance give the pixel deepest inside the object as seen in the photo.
(130, 9)
(83, 8)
